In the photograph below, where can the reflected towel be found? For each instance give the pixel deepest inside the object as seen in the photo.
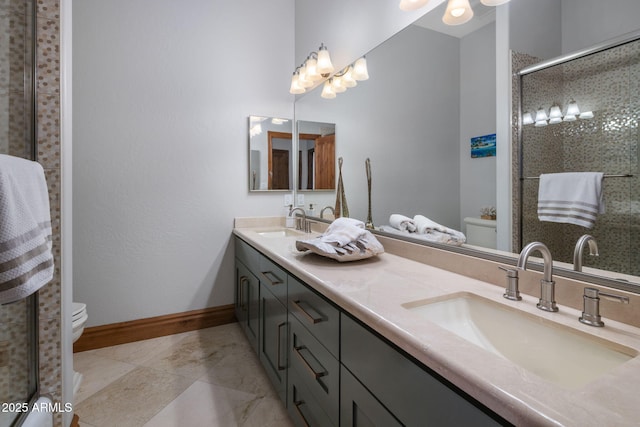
(402, 223)
(26, 261)
(438, 232)
(571, 198)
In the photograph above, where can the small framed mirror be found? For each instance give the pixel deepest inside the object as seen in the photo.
(270, 153)
(316, 155)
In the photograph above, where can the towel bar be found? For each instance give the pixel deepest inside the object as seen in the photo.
(626, 175)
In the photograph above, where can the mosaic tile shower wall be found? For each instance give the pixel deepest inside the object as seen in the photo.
(607, 84)
(13, 41)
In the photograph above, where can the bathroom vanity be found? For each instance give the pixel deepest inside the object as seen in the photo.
(358, 344)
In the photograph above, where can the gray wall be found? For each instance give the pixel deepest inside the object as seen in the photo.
(162, 92)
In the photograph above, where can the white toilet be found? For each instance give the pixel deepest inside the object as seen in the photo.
(78, 321)
(481, 232)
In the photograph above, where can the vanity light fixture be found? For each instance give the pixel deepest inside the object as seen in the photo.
(409, 5)
(527, 119)
(458, 12)
(347, 78)
(316, 67)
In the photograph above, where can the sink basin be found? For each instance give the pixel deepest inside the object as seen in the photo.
(280, 232)
(552, 351)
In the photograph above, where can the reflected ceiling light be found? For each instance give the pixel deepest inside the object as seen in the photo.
(277, 121)
(586, 115)
(458, 12)
(360, 72)
(336, 82)
(255, 130)
(408, 5)
(494, 2)
(572, 108)
(527, 119)
(555, 115)
(327, 90)
(347, 78)
(541, 117)
(317, 66)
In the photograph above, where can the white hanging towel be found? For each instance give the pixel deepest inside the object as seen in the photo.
(26, 261)
(571, 198)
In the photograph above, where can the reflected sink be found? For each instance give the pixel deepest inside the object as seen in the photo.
(552, 351)
(280, 232)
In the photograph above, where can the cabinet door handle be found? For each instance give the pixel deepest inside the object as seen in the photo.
(279, 343)
(309, 316)
(314, 373)
(297, 405)
(243, 280)
(275, 280)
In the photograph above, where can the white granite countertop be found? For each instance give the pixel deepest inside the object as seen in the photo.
(374, 290)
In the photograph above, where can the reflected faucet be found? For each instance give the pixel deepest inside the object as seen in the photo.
(333, 212)
(547, 285)
(577, 252)
(301, 223)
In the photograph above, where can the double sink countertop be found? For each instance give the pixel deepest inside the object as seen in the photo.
(379, 290)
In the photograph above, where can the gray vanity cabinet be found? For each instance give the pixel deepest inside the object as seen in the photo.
(273, 337)
(247, 287)
(402, 389)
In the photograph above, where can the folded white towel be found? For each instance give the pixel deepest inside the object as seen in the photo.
(572, 198)
(345, 239)
(343, 231)
(438, 232)
(402, 223)
(26, 261)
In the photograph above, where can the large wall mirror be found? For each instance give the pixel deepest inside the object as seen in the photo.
(270, 153)
(431, 90)
(316, 155)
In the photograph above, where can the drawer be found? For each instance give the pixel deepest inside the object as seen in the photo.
(414, 394)
(303, 409)
(247, 255)
(319, 316)
(274, 278)
(316, 368)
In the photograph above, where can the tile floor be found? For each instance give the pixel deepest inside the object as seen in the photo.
(209, 377)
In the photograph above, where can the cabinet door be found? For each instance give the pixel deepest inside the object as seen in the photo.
(273, 340)
(358, 407)
(247, 303)
(303, 407)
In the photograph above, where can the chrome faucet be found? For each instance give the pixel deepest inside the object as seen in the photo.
(333, 212)
(547, 285)
(577, 252)
(301, 223)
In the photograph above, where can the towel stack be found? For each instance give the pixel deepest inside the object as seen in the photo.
(26, 261)
(345, 239)
(571, 198)
(424, 228)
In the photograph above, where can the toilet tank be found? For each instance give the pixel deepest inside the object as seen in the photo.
(481, 232)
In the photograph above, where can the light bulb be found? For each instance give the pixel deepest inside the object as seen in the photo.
(541, 115)
(572, 108)
(312, 70)
(296, 87)
(527, 119)
(338, 87)
(347, 78)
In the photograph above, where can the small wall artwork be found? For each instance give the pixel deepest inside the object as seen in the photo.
(483, 146)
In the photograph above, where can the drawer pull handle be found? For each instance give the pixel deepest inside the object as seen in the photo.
(297, 405)
(279, 344)
(243, 280)
(314, 373)
(309, 316)
(275, 280)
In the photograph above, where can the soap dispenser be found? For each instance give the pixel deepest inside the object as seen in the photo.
(311, 211)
